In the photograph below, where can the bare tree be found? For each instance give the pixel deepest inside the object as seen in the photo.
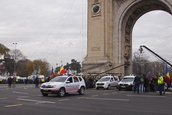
(17, 55)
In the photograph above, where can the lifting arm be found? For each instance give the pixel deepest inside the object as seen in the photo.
(143, 46)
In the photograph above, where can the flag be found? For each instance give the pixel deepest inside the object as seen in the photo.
(62, 71)
(167, 75)
(52, 74)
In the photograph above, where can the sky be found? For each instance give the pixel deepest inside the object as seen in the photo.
(56, 30)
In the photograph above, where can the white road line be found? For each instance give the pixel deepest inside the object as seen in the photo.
(20, 92)
(145, 96)
(23, 96)
(106, 99)
(63, 99)
(37, 101)
(105, 94)
(13, 105)
(94, 95)
(3, 98)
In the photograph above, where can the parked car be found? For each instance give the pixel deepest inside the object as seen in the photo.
(64, 84)
(127, 82)
(107, 82)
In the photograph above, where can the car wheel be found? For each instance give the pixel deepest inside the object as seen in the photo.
(82, 91)
(97, 88)
(108, 87)
(61, 92)
(44, 94)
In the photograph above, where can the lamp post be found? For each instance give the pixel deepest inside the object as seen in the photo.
(15, 44)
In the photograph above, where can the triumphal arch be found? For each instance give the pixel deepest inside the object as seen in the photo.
(109, 37)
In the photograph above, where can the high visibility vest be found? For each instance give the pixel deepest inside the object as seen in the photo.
(160, 80)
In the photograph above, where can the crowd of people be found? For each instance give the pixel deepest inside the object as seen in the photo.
(144, 84)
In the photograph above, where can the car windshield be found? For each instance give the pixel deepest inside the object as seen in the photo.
(104, 79)
(58, 79)
(127, 79)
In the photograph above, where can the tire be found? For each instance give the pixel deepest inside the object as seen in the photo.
(61, 92)
(97, 88)
(44, 94)
(108, 87)
(119, 89)
(82, 91)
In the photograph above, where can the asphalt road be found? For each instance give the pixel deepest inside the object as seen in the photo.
(27, 100)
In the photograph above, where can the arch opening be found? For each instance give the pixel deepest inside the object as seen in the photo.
(129, 19)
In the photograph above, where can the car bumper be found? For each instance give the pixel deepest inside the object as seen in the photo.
(49, 91)
(124, 86)
(101, 86)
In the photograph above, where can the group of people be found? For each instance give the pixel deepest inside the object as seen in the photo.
(143, 84)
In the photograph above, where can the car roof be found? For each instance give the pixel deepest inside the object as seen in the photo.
(129, 76)
(107, 76)
(63, 76)
(68, 76)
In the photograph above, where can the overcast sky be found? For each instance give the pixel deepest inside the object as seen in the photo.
(55, 30)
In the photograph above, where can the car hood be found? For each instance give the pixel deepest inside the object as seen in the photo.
(125, 82)
(53, 83)
(102, 82)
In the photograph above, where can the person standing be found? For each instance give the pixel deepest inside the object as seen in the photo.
(141, 85)
(136, 84)
(36, 82)
(14, 81)
(9, 82)
(160, 82)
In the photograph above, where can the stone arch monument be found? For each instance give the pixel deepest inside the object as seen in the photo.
(109, 37)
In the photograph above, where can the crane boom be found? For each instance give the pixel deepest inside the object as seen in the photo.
(143, 46)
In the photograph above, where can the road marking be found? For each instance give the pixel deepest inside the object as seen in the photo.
(2, 98)
(106, 99)
(23, 96)
(63, 99)
(105, 94)
(81, 97)
(145, 96)
(16, 105)
(37, 101)
(20, 92)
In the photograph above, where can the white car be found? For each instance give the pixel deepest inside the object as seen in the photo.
(127, 82)
(64, 84)
(107, 82)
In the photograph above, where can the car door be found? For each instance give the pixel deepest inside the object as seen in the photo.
(76, 83)
(69, 84)
(113, 82)
(72, 84)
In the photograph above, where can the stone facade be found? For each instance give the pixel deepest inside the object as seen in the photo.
(110, 25)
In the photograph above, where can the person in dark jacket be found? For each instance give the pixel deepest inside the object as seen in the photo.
(10, 82)
(136, 84)
(36, 81)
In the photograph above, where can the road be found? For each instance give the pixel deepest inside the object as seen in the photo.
(27, 100)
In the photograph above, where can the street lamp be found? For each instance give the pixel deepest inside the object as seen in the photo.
(15, 44)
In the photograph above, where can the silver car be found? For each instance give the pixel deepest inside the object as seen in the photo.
(107, 82)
